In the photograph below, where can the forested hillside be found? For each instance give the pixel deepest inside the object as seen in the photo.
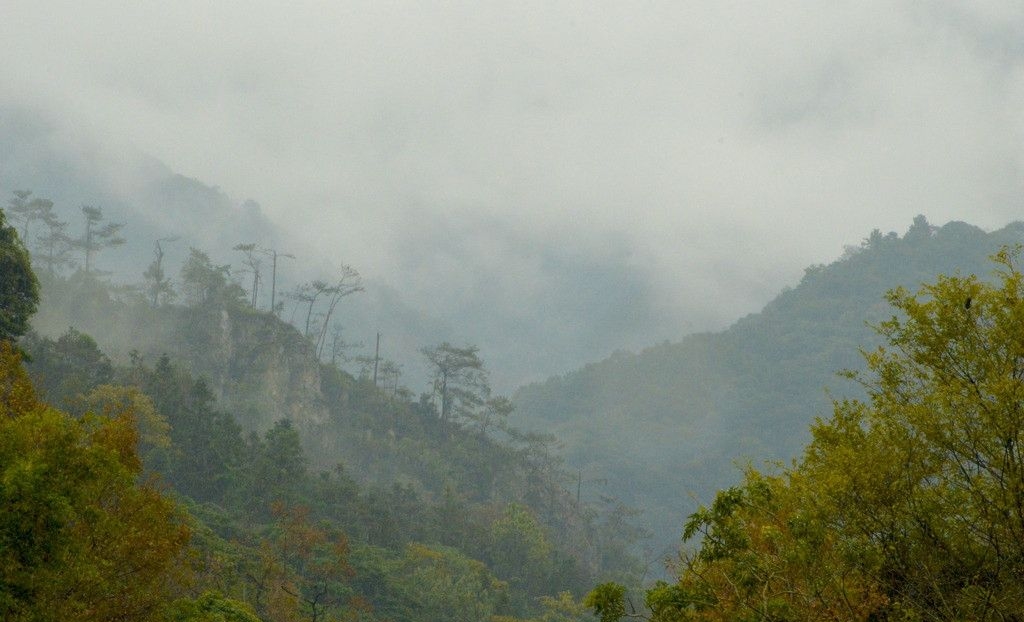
(300, 483)
(907, 504)
(667, 427)
(279, 485)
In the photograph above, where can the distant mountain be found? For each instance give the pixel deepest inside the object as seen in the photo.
(533, 306)
(667, 427)
(143, 193)
(154, 202)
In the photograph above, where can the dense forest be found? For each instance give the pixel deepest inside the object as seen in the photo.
(543, 311)
(679, 421)
(906, 505)
(171, 451)
(219, 462)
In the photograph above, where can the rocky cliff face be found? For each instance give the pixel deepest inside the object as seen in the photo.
(272, 373)
(259, 367)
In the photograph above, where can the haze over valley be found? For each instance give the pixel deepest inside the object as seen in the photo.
(550, 182)
(746, 275)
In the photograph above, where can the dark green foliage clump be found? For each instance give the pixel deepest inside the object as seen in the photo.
(19, 289)
(67, 368)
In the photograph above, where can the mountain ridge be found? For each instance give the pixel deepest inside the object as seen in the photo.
(667, 426)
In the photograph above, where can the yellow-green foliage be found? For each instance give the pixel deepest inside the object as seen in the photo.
(908, 505)
(211, 607)
(80, 539)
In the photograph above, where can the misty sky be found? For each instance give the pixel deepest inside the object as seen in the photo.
(458, 150)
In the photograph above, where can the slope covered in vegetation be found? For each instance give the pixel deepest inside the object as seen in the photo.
(672, 422)
(906, 505)
(290, 489)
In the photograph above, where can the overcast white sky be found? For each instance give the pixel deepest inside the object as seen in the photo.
(713, 148)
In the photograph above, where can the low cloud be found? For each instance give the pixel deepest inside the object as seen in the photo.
(694, 155)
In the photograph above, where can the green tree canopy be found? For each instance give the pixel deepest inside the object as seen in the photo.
(96, 237)
(907, 505)
(80, 538)
(19, 290)
(205, 283)
(459, 379)
(211, 607)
